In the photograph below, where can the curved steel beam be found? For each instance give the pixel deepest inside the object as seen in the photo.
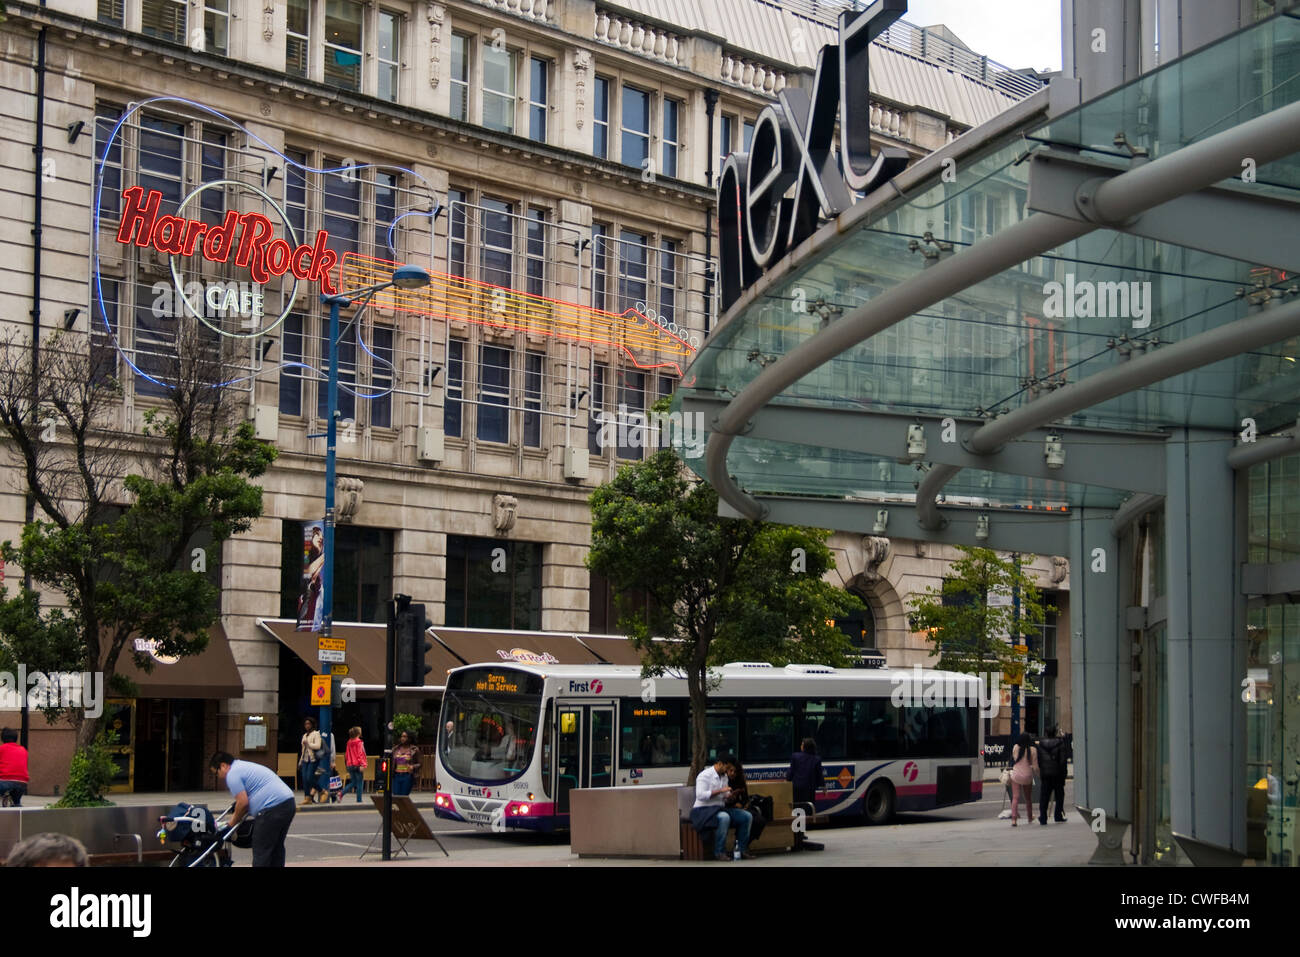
(1012, 246)
(1243, 335)
(1263, 450)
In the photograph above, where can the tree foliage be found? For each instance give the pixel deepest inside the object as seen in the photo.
(120, 513)
(969, 631)
(717, 589)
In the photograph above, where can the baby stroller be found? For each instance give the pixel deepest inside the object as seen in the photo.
(197, 839)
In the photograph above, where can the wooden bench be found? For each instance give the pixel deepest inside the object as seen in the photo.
(778, 835)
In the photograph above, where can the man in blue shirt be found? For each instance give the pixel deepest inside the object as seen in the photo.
(258, 791)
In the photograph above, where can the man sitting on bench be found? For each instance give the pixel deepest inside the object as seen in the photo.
(711, 792)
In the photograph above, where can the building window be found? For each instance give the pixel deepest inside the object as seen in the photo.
(385, 214)
(291, 373)
(452, 402)
(388, 55)
(599, 265)
(103, 333)
(347, 401)
(106, 118)
(456, 246)
(297, 40)
(672, 138)
(633, 263)
(110, 11)
(295, 192)
(538, 72)
(499, 90)
(494, 394)
(725, 135)
(534, 365)
(498, 243)
(535, 251)
(341, 214)
(600, 122)
(381, 378)
(363, 571)
(668, 273)
(596, 408)
(746, 135)
(343, 44)
(164, 19)
(479, 595)
(216, 26)
(631, 414)
(460, 47)
(636, 127)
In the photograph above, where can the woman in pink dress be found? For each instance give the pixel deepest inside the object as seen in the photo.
(1024, 765)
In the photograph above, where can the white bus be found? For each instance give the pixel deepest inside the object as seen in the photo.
(514, 740)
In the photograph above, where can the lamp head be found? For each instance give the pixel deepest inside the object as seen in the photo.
(410, 277)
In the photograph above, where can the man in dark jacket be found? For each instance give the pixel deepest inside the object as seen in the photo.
(805, 772)
(1052, 755)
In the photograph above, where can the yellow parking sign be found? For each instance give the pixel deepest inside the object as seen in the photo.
(320, 689)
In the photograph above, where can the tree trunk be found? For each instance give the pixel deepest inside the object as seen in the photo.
(87, 728)
(695, 681)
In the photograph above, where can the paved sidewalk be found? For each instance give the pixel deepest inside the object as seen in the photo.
(940, 844)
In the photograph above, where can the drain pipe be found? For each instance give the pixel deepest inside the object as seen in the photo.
(710, 104)
(38, 166)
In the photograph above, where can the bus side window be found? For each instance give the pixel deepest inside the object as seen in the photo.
(548, 729)
(874, 730)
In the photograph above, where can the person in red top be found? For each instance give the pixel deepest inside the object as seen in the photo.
(13, 767)
(354, 758)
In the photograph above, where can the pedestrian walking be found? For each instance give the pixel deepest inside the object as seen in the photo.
(1024, 765)
(307, 759)
(1052, 752)
(354, 759)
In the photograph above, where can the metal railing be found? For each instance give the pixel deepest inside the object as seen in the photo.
(919, 42)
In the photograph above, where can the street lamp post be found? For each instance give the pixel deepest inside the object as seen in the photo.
(404, 277)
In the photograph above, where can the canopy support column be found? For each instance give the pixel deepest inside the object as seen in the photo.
(1205, 722)
(1101, 666)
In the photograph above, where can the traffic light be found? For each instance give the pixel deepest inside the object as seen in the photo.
(412, 646)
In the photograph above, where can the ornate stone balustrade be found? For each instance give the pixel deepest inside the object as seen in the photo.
(637, 37)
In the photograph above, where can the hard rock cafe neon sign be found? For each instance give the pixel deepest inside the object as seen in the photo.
(247, 235)
(770, 199)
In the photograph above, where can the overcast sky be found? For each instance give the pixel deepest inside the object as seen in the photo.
(1015, 33)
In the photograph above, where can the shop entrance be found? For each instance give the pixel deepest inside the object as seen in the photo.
(168, 744)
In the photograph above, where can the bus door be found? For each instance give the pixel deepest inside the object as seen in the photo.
(584, 751)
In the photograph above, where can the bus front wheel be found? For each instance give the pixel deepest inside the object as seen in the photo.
(878, 805)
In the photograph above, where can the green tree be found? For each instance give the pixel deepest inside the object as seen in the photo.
(720, 589)
(122, 513)
(969, 619)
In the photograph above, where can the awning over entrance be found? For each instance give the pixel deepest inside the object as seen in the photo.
(525, 647)
(365, 650)
(212, 674)
(456, 647)
(613, 649)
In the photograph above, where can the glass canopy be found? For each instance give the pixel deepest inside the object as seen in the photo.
(1004, 342)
